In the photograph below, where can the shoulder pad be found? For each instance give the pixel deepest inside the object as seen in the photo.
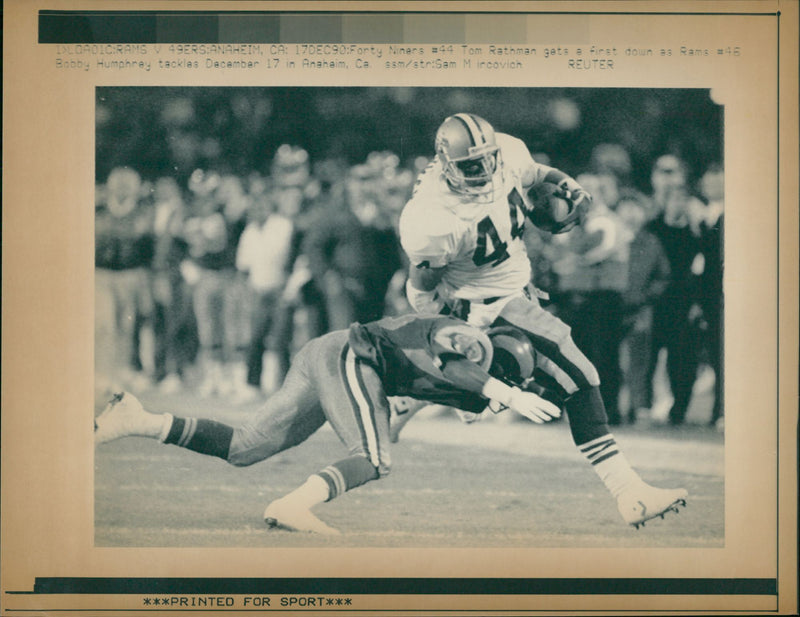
(515, 153)
(427, 234)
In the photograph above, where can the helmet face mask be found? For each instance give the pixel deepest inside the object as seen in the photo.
(477, 170)
(468, 151)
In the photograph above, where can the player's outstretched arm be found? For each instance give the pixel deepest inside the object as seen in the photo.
(528, 404)
(547, 188)
(469, 376)
(538, 174)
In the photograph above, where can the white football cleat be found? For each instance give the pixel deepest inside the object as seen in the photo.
(646, 502)
(283, 514)
(122, 417)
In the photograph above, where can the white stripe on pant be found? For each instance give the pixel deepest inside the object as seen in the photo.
(370, 432)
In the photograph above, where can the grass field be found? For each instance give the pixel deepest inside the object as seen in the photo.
(489, 484)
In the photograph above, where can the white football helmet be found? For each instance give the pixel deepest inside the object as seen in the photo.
(469, 154)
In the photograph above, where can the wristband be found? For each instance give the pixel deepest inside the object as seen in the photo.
(570, 184)
(496, 390)
(423, 301)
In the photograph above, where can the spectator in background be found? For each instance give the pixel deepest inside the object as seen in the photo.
(648, 277)
(263, 256)
(235, 203)
(712, 189)
(124, 241)
(355, 254)
(304, 200)
(592, 276)
(212, 239)
(398, 186)
(612, 159)
(393, 190)
(174, 325)
(669, 179)
(677, 315)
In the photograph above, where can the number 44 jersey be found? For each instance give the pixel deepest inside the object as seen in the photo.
(478, 237)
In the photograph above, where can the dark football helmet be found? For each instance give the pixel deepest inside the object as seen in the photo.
(514, 358)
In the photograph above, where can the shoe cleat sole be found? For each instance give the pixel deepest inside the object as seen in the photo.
(275, 520)
(274, 523)
(673, 507)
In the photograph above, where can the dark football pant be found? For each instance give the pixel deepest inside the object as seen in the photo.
(325, 382)
(561, 366)
(557, 354)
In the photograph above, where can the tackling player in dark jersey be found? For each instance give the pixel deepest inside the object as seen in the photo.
(344, 378)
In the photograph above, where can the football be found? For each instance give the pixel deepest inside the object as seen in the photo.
(549, 210)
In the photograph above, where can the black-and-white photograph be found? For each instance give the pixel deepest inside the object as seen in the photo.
(409, 317)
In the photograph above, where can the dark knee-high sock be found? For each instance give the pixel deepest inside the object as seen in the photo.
(334, 480)
(204, 436)
(587, 415)
(590, 432)
(347, 474)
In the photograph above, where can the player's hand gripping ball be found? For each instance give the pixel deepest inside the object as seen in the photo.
(556, 209)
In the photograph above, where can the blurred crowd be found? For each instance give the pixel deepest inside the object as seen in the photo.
(211, 285)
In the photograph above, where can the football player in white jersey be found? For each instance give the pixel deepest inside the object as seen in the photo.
(462, 231)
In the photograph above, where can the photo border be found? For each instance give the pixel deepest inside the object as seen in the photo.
(782, 587)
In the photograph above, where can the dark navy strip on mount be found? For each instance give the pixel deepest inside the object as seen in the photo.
(410, 586)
